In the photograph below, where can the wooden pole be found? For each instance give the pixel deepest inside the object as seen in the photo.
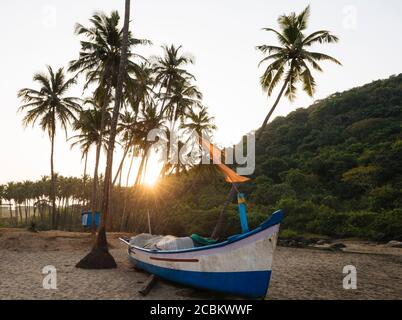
(218, 228)
(149, 223)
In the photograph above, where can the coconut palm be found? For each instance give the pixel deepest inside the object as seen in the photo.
(100, 55)
(2, 192)
(199, 122)
(100, 58)
(89, 125)
(170, 69)
(140, 90)
(150, 119)
(196, 125)
(292, 61)
(8, 196)
(183, 98)
(49, 105)
(126, 127)
(139, 94)
(100, 257)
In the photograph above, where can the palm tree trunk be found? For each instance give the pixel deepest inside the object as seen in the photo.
(26, 211)
(126, 149)
(272, 110)
(123, 223)
(85, 165)
(120, 177)
(121, 164)
(141, 168)
(84, 180)
(95, 187)
(11, 210)
(163, 109)
(20, 211)
(145, 169)
(53, 178)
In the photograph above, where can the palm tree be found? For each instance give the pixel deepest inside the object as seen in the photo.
(100, 55)
(199, 122)
(2, 192)
(292, 60)
(99, 257)
(184, 97)
(169, 69)
(49, 105)
(140, 90)
(150, 119)
(138, 95)
(90, 126)
(8, 196)
(126, 127)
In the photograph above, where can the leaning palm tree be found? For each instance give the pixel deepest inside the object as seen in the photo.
(292, 61)
(49, 105)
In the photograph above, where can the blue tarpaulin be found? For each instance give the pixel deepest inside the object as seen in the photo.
(87, 218)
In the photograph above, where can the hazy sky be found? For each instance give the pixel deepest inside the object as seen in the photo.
(221, 34)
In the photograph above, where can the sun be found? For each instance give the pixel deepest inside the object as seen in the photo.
(153, 170)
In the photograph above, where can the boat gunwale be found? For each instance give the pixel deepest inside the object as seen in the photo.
(273, 220)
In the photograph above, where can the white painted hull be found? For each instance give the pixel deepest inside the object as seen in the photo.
(240, 265)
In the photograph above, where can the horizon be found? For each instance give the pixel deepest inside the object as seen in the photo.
(51, 40)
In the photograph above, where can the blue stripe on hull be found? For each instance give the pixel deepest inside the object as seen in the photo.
(248, 283)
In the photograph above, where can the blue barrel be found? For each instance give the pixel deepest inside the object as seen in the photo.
(87, 219)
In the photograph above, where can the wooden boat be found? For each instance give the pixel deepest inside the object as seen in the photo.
(240, 265)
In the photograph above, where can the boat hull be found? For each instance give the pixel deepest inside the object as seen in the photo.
(247, 283)
(241, 265)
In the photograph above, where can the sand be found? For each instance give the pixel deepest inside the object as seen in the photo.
(297, 273)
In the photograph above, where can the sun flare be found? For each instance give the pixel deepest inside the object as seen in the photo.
(152, 172)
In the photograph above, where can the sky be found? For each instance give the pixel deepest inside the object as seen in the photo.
(220, 34)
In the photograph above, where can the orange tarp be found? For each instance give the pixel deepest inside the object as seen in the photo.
(215, 153)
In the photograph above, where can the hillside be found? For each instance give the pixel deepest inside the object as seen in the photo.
(335, 168)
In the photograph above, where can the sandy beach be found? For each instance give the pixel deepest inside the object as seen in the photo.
(297, 273)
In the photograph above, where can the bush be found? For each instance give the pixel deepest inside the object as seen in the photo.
(288, 234)
(388, 224)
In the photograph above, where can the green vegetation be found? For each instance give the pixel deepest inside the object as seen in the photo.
(335, 167)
